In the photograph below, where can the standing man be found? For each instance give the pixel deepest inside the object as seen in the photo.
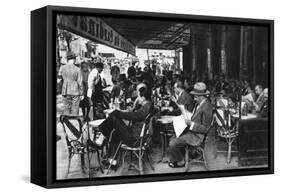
(95, 86)
(197, 128)
(72, 89)
(131, 70)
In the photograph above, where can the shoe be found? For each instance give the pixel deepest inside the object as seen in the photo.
(93, 144)
(106, 165)
(175, 165)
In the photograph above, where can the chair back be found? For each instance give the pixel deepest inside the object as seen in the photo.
(222, 118)
(146, 132)
(210, 127)
(72, 127)
(223, 121)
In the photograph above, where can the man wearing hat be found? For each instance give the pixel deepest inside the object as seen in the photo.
(198, 126)
(72, 89)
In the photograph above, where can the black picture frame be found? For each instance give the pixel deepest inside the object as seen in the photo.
(43, 102)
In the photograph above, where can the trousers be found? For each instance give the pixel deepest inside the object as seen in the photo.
(122, 133)
(71, 105)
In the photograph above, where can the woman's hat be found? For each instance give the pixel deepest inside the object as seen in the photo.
(200, 89)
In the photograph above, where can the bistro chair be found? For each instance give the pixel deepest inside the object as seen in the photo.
(141, 147)
(199, 150)
(226, 130)
(72, 127)
(91, 148)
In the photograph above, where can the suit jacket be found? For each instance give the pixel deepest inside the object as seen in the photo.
(72, 80)
(260, 101)
(202, 118)
(186, 100)
(137, 117)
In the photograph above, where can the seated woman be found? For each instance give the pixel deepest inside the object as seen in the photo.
(123, 133)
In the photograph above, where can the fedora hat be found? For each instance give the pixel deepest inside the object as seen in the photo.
(200, 89)
(71, 55)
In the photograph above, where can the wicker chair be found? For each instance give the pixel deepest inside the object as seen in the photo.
(226, 130)
(77, 142)
(74, 139)
(199, 150)
(141, 146)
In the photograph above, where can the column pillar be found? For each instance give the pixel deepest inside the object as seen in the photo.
(187, 56)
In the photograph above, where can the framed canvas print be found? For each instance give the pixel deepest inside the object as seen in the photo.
(126, 96)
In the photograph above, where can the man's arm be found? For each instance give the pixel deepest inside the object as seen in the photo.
(80, 83)
(204, 124)
(138, 115)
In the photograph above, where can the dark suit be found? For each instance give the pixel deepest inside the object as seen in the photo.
(122, 131)
(202, 119)
(184, 99)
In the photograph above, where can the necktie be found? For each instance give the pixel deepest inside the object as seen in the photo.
(195, 108)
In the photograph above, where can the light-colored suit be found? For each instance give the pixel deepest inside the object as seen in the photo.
(194, 135)
(72, 88)
(72, 80)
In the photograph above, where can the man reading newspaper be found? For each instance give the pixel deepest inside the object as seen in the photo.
(197, 124)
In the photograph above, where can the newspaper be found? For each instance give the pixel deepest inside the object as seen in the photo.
(179, 121)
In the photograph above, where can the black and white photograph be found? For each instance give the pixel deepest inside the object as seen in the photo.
(145, 95)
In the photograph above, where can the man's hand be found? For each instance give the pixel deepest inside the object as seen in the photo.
(173, 99)
(81, 97)
(187, 121)
(89, 93)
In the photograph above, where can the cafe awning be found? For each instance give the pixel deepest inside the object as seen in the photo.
(152, 34)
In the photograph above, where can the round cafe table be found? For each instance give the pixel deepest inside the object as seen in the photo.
(165, 120)
(107, 89)
(245, 117)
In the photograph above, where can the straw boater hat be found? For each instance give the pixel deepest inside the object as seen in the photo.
(200, 89)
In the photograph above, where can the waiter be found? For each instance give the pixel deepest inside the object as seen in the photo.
(95, 86)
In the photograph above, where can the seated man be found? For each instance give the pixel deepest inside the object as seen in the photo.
(260, 99)
(198, 126)
(127, 135)
(182, 98)
(263, 111)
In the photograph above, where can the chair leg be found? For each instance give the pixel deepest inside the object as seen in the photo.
(68, 166)
(82, 162)
(229, 151)
(205, 159)
(150, 164)
(140, 162)
(89, 162)
(115, 154)
(163, 145)
(123, 158)
(187, 166)
(99, 161)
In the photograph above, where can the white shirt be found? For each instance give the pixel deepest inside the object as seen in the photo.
(93, 79)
